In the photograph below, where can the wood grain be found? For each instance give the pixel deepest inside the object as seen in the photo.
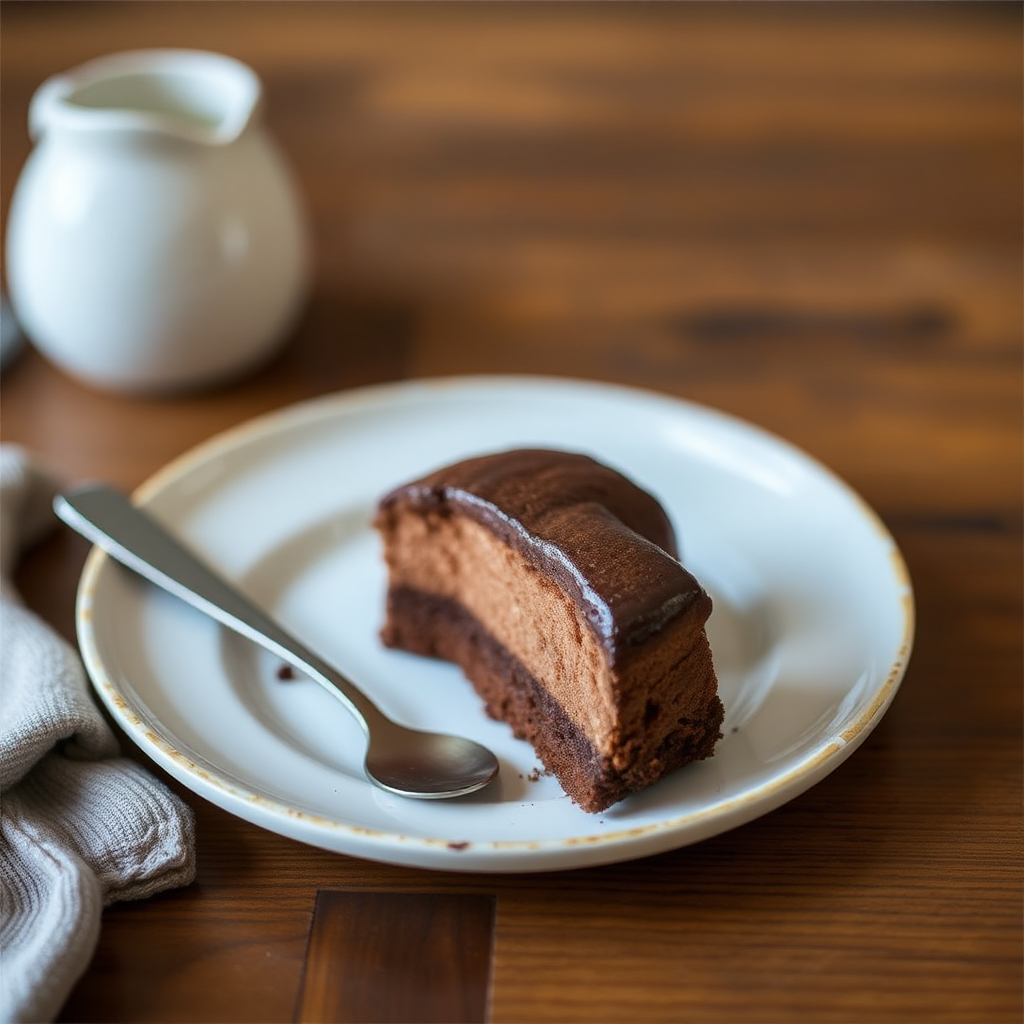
(392, 957)
(805, 215)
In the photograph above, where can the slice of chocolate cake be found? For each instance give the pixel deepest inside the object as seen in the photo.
(553, 582)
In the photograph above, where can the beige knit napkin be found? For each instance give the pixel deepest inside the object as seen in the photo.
(80, 827)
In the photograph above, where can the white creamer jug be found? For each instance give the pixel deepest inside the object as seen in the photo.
(155, 238)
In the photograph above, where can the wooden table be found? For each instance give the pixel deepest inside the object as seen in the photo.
(806, 216)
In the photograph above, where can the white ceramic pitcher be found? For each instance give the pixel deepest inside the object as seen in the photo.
(155, 238)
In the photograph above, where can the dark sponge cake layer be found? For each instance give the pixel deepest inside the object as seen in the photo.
(440, 627)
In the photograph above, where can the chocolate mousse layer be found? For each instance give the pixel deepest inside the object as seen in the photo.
(552, 581)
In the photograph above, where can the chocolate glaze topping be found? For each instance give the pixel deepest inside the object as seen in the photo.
(602, 538)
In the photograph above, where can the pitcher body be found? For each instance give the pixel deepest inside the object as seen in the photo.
(155, 240)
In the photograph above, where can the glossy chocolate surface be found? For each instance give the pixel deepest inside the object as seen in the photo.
(606, 541)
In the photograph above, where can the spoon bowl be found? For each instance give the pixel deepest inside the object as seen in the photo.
(427, 765)
(407, 762)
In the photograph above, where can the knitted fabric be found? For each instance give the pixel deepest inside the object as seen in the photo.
(80, 826)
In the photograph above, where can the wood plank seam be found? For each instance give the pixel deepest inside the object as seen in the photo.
(377, 957)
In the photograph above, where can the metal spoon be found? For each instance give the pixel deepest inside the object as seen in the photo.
(428, 766)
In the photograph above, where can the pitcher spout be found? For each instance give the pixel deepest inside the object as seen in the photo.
(192, 95)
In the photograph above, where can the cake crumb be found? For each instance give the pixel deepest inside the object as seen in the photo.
(285, 673)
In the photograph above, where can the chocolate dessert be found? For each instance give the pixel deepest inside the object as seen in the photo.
(553, 582)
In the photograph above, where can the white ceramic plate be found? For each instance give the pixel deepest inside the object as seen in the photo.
(811, 631)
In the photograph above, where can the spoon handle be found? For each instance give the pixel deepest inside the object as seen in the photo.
(137, 540)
